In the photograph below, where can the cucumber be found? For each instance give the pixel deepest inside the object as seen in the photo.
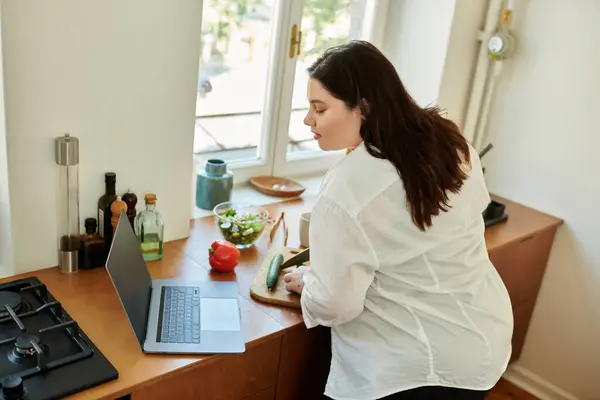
(273, 271)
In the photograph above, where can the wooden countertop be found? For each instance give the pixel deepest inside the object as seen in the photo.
(90, 299)
(522, 222)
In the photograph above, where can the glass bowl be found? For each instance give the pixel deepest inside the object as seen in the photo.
(241, 224)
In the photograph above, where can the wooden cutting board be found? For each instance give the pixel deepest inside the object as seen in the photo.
(280, 296)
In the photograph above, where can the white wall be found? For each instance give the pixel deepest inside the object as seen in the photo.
(6, 260)
(121, 76)
(433, 45)
(416, 38)
(544, 124)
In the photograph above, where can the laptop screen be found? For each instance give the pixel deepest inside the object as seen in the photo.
(130, 277)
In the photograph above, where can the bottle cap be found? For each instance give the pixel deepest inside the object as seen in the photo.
(150, 198)
(66, 150)
(110, 177)
(90, 225)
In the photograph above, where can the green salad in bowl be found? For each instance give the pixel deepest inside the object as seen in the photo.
(241, 224)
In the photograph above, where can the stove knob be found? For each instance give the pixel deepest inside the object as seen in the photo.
(12, 388)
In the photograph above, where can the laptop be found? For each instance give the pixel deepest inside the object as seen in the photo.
(173, 316)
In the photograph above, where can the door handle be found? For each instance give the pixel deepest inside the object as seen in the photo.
(295, 41)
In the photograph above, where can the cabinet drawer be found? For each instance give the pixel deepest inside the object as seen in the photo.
(521, 264)
(228, 377)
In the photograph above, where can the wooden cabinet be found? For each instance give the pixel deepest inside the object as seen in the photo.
(304, 363)
(522, 316)
(252, 375)
(521, 265)
(267, 394)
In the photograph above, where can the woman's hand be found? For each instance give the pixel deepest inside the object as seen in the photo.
(294, 281)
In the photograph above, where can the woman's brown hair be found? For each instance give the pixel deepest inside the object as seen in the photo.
(428, 150)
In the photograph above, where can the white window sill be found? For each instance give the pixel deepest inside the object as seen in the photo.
(245, 193)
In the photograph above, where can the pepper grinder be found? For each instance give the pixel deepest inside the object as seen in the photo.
(116, 208)
(67, 158)
(131, 200)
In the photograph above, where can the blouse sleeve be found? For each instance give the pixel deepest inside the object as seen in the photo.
(343, 265)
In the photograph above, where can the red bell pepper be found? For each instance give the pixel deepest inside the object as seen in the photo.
(223, 256)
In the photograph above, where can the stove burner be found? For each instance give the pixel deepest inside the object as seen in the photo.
(24, 348)
(24, 344)
(12, 299)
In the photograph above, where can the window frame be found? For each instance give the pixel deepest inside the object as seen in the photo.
(272, 157)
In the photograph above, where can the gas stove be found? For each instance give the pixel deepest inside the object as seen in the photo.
(44, 354)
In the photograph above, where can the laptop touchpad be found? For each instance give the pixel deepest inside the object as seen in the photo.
(219, 315)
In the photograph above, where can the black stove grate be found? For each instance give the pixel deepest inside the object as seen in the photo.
(42, 349)
(42, 365)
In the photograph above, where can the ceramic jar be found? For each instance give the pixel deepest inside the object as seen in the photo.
(214, 184)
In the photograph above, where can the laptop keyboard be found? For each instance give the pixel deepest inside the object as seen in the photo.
(181, 315)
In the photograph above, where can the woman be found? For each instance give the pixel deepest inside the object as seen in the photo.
(399, 266)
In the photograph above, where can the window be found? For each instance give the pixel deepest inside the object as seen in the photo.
(251, 94)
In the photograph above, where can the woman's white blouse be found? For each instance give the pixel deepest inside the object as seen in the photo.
(407, 308)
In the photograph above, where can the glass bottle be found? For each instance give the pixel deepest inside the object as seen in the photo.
(149, 229)
(67, 158)
(91, 250)
(104, 212)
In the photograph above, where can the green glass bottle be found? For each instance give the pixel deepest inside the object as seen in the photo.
(149, 229)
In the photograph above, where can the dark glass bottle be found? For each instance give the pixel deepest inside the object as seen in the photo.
(91, 250)
(104, 213)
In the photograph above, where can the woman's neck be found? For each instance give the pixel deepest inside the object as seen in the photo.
(350, 149)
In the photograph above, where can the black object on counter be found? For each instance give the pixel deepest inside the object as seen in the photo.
(494, 213)
(45, 354)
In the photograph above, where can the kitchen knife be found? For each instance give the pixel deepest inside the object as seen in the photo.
(298, 259)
